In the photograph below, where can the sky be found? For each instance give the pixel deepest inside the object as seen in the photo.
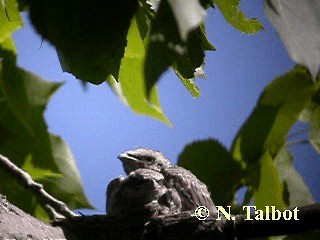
(98, 127)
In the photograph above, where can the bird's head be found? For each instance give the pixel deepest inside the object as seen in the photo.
(143, 158)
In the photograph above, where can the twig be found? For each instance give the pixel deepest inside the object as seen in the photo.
(291, 144)
(47, 201)
(298, 133)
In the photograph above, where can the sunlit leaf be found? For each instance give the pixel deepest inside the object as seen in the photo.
(131, 87)
(213, 164)
(298, 24)
(190, 85)
(10, 19)
(277, 110)
(270, 188)
(231, 12)
(266, 129)
(69, 187)
(297, 190)
(315, 128)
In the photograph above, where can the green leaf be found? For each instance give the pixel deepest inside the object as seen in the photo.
(38, 174)
(298, 192)
(311, 114)
(214, 165)
(270, 188)
(25, 139)
(69, 187)
(277, 110)
(131, 87)
(311, 235)
(265, 131)
(231, 12)
(189, 84)
(188, 14)
(315, 128)
(169, 48)
(10, 19)
(298, 25)
(89, 37)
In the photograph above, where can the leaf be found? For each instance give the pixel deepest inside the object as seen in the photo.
(25, 139)
(277, 110)
(270, 189)
(169, 47)
(189, 14)
(265, 131)
(69, 187)
(10, 19)
(189, 84)
(90, 38)
(315, 128)
(311, 114)
(231, 12)
(310, 235)
(298, 24)
(298, 191)
(131, 85)
(214, 165)
(38, 174)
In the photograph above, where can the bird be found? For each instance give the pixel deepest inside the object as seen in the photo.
(141, 195)
(187, 190)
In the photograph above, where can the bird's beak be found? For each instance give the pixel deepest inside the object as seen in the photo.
(127, 157)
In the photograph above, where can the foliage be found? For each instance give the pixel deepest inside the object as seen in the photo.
(129, 44)
(260, 146)
(26, 140)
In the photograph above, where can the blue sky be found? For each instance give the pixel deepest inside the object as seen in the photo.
(98, 127)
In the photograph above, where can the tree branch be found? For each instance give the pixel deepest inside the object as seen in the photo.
(47, 201)
(14, 222)
(308, 220)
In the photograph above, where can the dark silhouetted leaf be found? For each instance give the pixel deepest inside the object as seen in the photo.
(176, 43)
(90, 37)
(213, 164)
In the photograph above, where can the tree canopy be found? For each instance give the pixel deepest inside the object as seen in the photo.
(129, 45)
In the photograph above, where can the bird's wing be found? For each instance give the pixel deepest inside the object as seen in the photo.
(112, 190)
(192, 191)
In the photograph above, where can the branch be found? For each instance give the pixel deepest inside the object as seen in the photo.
(175, 227)
(14, 222)
(47, 201)
(308, 220)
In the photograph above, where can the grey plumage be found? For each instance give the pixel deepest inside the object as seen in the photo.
(154, 187)
(141, 195)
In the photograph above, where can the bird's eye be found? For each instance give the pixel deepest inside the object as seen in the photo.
(148, 159)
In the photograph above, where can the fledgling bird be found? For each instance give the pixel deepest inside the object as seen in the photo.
(191, 191)
(141, 196)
